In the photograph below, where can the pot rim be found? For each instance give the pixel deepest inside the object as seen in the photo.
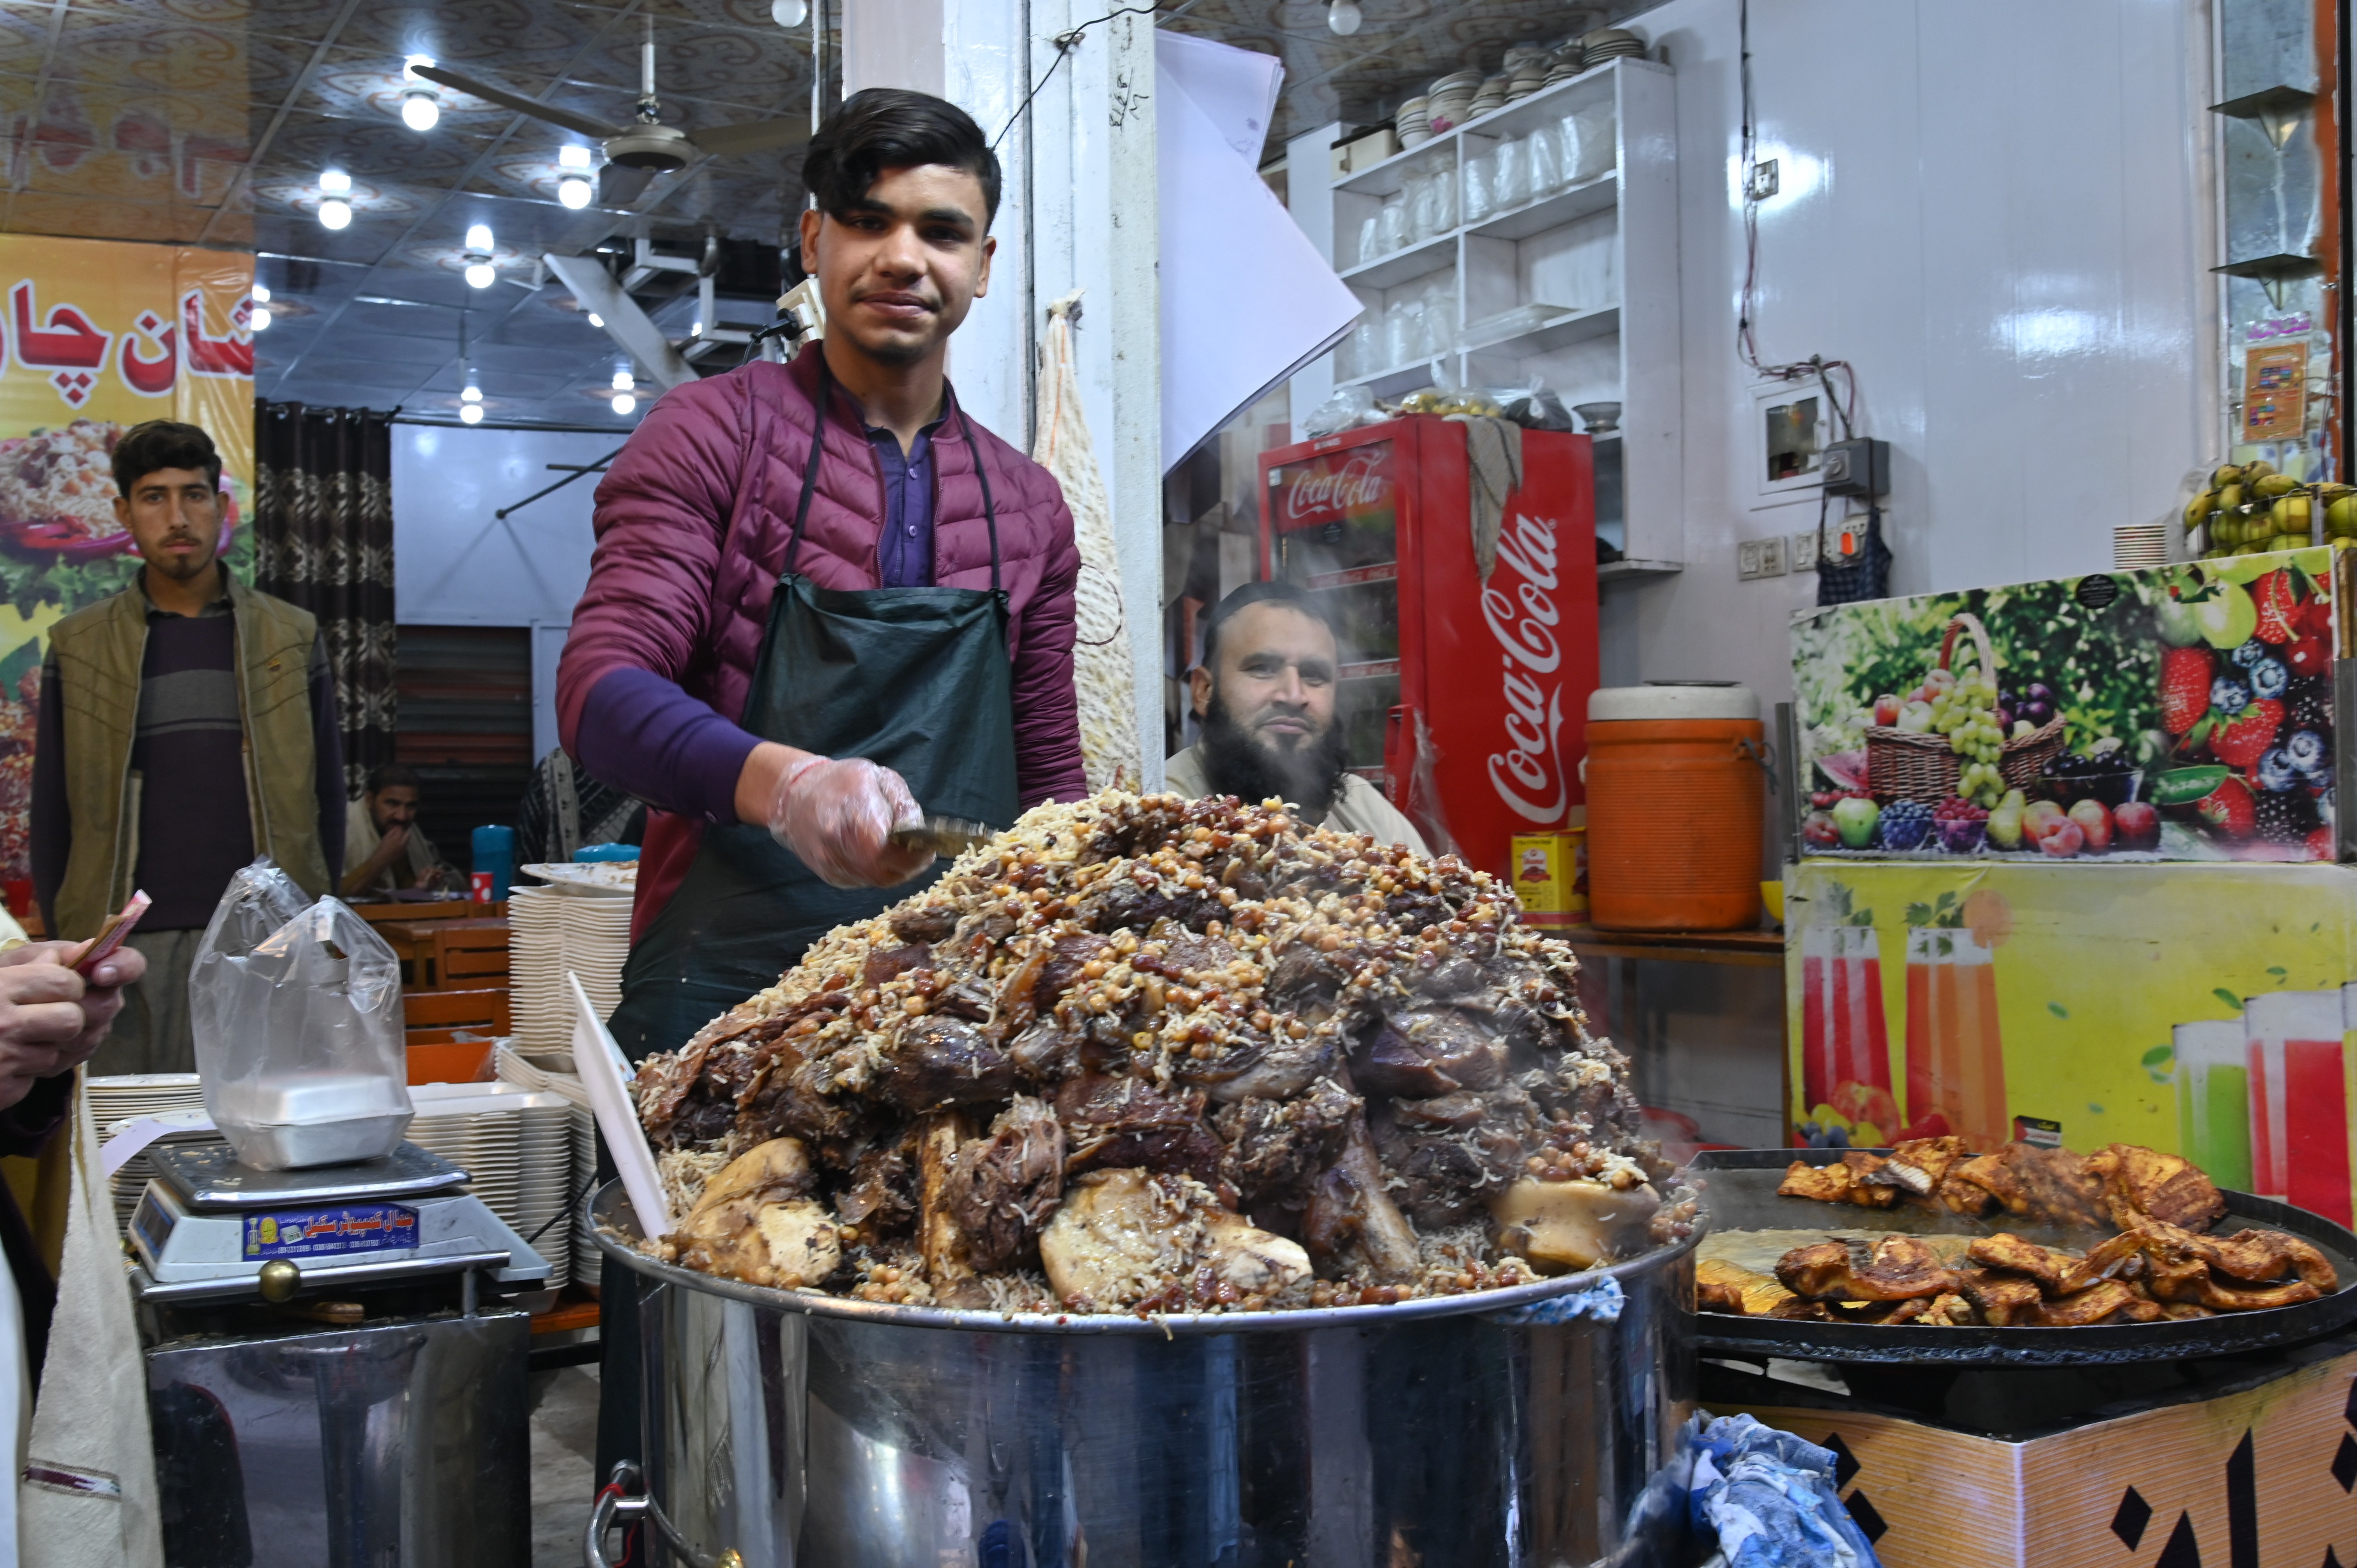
(609, 1203)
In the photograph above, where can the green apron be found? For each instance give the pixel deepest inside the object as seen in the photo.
(915, 680)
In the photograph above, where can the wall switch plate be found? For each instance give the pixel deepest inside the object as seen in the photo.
(1804, 550)
(1760, 558)
(1764, 180)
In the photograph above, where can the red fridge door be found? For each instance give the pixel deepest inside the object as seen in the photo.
(1507, 663)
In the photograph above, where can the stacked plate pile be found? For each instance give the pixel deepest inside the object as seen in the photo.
(1612, 43)
(1492, 95)
(582, 928)
(2138, 545)
(1449, 100)
(551, 1072)
(1526, 70)
(116, 1100)
(1568, 61)
(516, 1144)
(1414, 122)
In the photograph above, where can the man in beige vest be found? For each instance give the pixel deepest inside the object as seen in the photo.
(187, 726)
(1265, 693)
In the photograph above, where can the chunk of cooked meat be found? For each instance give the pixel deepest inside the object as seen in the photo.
(1898, 1269)
(2140, 1183)
(1352, 1226)
(1960, 1197)
(2010, 1252)
(926, 922)
(1275, 1146)
(1446, 1156)
(1111, 1122)
(2119, 1255)
(2106, 1301)
(1421, 1053)
(1005, 1188)
(754, 1222)
(1718, 1295)
(2003, 1299)
(1921, 1165)
(1129, 1239)
(1946, 1310)
(2049, 1186)
(1740, 1291)
(941, 1239)
(1570, 1225)
(1849, 1179)
(930, 1063)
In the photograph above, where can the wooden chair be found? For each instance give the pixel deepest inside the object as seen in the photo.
(433, 1017)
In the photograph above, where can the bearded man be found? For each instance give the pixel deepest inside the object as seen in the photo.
(1265, 693)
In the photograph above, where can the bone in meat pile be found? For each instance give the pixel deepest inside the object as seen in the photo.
(1148, 1054)
(2161, 1264)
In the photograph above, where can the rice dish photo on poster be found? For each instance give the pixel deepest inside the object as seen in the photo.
(2177, 713)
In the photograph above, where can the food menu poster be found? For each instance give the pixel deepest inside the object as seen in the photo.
(95, 338)
(2177, 713)
(2200, 1009)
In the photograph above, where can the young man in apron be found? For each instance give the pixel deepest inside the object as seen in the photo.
(823, 600)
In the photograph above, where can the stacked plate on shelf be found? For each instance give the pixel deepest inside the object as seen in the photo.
(1491, 95)
(1413, 123)
(544, 1074)
(116, 1100)
(516, 1145)
(1612, 43)
(1526, 70)
(1568, 61)
(582, 927)
(1449, 100)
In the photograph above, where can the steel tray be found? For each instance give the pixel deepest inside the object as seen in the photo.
(1740, 1188)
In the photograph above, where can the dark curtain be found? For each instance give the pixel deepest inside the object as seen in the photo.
(323, 537)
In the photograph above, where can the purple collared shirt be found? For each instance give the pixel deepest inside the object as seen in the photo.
(904, 551)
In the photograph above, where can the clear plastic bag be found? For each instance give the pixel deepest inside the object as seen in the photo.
(1347, 409)
(297, 1012)
(1533, 407)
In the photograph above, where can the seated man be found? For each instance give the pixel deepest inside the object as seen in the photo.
(1264, 692)
(382, 844)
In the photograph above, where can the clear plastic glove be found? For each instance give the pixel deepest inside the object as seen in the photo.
(837, 814)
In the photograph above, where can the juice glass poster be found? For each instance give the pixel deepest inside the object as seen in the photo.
(94, 338)
(2201, 1009)
(2181, 713)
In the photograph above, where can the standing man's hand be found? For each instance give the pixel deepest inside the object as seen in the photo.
(51, 1018)
(837, 815)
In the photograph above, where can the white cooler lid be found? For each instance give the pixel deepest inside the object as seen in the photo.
(1674, 700)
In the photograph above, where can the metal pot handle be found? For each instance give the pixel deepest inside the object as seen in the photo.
(622, 1502)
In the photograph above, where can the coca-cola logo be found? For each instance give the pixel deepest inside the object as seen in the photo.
(1359, 484)
(1529, 775)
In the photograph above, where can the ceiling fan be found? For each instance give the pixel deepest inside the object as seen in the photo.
(645, 147)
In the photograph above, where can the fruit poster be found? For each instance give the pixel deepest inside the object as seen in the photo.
(95, 338)
(2180, 713)
(2201, 1009)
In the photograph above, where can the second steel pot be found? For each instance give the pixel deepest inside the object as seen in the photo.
(794, 1428)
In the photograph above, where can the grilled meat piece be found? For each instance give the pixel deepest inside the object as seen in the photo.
(2107, 1300)
(926, 922)
(1722, 1286)
(1847, 1180)
(1899, 1268)
(1112, 1122)
(1946, 1310)
(2140, 1183)
(1352, 1227)
(756, 1222)
(1421, 1053)
(1005, 1188)
(2009, 1252)
(1921, 1165)
(2002, 1299)
(2049, 1186)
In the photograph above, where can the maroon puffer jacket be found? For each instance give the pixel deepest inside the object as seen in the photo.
(693, 521)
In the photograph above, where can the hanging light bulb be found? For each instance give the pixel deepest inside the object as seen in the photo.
(624, 404)
(258, 318)
(573, 186)
(623, 380)
(472, 395)
(470, 414)
(420, 105)
(478, 239)
(790, 13)
(335, 212)
(1343, 16)
(596, 320)
(480, 274)
(261, 294)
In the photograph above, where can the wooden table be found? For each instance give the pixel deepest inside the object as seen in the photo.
(1762, 950)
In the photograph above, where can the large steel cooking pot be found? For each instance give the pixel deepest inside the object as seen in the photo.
(1533, 1427)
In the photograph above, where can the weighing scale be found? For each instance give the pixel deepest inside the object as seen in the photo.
(329, 1386)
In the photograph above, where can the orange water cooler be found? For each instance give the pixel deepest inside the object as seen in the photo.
(1676, 802)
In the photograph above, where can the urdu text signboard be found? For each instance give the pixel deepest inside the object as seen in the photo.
(96, 337)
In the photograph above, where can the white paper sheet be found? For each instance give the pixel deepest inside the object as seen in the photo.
(605, 1073)
(1246, 298)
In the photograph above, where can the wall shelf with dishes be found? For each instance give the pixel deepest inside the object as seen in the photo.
(1538, 239)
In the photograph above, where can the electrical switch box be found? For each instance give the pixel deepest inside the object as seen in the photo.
(1859, 466)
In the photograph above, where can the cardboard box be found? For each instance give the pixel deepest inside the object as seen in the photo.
(2259, 1477)
(1551, 878)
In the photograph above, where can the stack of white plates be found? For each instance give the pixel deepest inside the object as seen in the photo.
(543, 1072)
(1568, 61)
(129, 1098)
(516, 1144)
(1492, 95)
(1612, 43)
(1413, 123)
(1526, 70)
(2138, 545)
(579, 928)
(1448, 100)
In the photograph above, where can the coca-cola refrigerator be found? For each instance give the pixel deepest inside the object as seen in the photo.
(1464, 694)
